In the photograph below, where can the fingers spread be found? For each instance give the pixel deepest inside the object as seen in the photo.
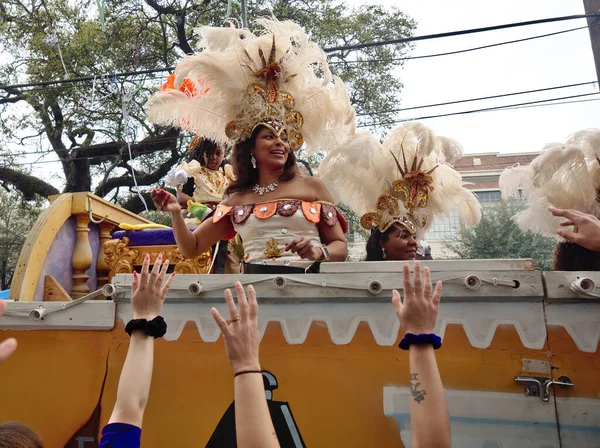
(161, 274)
(233, 312)
(156, 269)
(437, 294)
(242, 301)
(167, 285)
(418, 280)
(397, 302)
(144, 273)
(408, 289)
(252, 303)
(427, 283)
(221, 323)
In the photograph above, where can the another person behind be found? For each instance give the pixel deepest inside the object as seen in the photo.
(207, 180)
(399, 188)
(564, 176)
(287, 221)
(206, 169)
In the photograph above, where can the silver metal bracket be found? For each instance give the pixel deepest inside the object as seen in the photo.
(536, 386)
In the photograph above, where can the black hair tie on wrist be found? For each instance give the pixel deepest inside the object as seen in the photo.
(156, 327)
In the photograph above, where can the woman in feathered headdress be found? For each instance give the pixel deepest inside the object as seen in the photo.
(266, 98)
(566, 176)
(398, 187)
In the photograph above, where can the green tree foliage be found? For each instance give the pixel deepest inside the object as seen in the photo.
(17, 216)
(84, 128)
(498, 236)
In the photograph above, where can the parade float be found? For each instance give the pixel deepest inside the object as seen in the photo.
(519, 359)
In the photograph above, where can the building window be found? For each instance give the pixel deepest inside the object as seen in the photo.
(444, 228)
(488, 197)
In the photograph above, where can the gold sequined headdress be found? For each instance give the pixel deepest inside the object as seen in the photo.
(564, 175)
(405, 180)
(291, 89)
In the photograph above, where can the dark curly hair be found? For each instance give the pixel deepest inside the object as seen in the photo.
(374, 250)
(245, 175)
(203, 146)
(573, 257)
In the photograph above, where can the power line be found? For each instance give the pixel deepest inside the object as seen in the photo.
(479, 99)
(460, 32)
(363, 61)
(466, 50)
(487, 109)
(327, 50)
(541, 103)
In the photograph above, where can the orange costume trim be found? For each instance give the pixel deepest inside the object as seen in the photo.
(315, 212)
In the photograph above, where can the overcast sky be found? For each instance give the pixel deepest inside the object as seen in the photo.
(547, 62)
(552, 61)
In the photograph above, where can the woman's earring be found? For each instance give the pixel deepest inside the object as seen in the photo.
(253, 161)
(383, 253)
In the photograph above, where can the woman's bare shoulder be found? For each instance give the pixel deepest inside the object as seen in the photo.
(237, 198)
(318, 188)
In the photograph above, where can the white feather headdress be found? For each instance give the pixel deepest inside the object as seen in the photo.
(278, 78)
(405, 180)
(564, 175)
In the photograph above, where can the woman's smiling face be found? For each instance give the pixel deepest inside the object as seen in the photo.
(400, 245)
(270, 150)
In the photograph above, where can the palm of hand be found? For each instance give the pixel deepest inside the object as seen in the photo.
(418, 314)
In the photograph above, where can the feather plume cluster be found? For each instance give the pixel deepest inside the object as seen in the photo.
(277, 74)
(405, 177)
(564, 175)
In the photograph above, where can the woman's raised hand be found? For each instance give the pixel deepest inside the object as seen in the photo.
(165, 201)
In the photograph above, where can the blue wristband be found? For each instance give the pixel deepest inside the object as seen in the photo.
(420, 339)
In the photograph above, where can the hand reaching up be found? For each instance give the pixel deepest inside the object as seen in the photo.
(241, 332)
(7, 347)
(418, 314)
(147, 290)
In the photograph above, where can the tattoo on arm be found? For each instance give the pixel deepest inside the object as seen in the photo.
(418, 395)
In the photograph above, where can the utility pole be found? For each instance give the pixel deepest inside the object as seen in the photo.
(245, 25)
(593, 6)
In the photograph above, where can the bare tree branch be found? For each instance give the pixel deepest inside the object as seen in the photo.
(26, 184)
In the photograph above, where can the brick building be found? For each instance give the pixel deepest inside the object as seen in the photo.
(483, 171)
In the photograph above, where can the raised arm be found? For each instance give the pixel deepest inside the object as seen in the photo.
(190, 244)
(147, 296)
(429, 417)
(253, 425)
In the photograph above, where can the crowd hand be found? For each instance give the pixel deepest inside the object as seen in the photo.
(304, 248)
(418, 314)
(165, 201)
(586, 228)
(10, 345)
(147, 290)
(240, 333)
